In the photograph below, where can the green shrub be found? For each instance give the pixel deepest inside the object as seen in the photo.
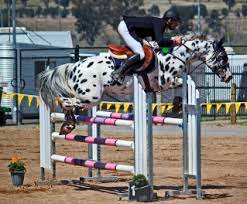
(140, 180)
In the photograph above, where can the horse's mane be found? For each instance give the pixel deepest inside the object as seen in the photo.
(193, 36)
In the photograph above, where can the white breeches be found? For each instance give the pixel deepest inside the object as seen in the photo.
(132, 43)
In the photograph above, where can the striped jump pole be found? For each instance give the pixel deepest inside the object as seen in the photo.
(94, 140)
(130, 116)
(92, 164)
(116, 119)
(125, 116)
(55, 117)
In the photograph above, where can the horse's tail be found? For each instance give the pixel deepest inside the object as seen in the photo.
(53, 83)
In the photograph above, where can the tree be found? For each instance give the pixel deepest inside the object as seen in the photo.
(204, 11)
(244, 10)
(187, 13)
(230, 3)
(214, 22)
(224, 12)
(154, 10)
(93, 15)
(24, 3)
(237, 13)
(38, 11)
(63, 3)
(46, 3)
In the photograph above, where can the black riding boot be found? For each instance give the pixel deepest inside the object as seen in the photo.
(120, 73)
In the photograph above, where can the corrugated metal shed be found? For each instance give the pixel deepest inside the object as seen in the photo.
(45, 38)
(32, 48)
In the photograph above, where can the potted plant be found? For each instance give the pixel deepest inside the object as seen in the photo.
(17, 170)
(142, 189)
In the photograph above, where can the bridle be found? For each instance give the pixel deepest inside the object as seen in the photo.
(214, 55)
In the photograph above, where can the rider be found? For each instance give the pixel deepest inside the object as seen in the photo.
(134, 29)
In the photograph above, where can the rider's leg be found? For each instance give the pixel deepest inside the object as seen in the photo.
(121, 72)
(135, 46)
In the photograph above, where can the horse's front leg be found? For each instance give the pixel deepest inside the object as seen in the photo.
(176, 82)
(68, 104)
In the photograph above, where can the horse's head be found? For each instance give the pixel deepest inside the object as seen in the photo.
(217, 61)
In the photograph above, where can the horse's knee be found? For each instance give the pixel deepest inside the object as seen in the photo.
(177, 82)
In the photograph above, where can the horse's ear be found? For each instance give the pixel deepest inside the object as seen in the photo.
(215, 44)
(222, 40)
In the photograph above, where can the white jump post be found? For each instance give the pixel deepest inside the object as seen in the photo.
(192, 136)
(45, 138)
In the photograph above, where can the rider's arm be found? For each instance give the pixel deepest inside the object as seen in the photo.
(165, 42)
(158, 29)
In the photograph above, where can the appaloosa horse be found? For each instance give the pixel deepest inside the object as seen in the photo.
(82, 84)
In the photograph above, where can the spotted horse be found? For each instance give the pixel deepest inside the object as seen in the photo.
(82, 84)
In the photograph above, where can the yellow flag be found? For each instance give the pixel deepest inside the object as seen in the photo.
(11, 95)
(208, 107)
(228, 105)
(37, 102)
(29, 100)
(218, 106)
(100, 105)
(237, 106)
(117, 107)
(20, 97)
(126, 107)
(163, 108)
(4, 94)
(153, 106)
(108, 106)
(245, 106)
(169, 107)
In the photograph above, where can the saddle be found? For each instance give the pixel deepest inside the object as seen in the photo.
(123, 52)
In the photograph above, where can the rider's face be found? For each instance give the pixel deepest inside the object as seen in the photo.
(172, 24)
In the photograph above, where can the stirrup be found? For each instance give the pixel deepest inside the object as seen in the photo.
(117, 78)
(115, 75)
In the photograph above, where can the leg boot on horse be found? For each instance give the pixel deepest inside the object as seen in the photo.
(69, 123)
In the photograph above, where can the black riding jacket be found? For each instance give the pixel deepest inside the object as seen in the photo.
(142, 27)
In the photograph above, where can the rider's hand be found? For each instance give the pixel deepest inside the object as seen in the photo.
(145, 42)
(177, 40)
(154, 45)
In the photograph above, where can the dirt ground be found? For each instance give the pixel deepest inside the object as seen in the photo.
(224, 170)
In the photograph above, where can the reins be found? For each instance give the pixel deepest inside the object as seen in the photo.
(191, 51)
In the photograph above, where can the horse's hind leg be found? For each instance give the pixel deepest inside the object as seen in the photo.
(176, 82)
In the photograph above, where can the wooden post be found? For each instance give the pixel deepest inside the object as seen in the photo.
(158, 101)
(233, 107)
